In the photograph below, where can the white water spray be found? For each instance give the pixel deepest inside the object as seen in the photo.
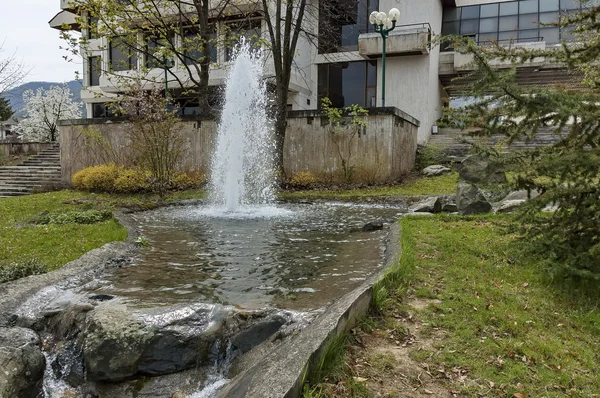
(242, 165)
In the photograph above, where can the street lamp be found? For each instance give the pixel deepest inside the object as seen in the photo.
(384, 24)
(162, 55)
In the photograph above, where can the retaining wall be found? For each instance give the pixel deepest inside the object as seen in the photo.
(382, 151)
(22, 148)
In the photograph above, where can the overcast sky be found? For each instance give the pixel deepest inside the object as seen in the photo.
(24, 28)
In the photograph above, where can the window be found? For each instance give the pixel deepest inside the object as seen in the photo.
(513, 20)
(342, 21)
(349, 83)
(153, 44)
(122, 55)
(92, 28)
(192, 44)
(95, 69)
(251, 29)
(103, 109)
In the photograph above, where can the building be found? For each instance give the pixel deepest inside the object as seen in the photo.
(346, 63)
(7, 129)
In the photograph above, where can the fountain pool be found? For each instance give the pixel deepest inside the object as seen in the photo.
(297, 257)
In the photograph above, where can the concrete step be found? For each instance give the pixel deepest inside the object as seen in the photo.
(30, 168)
(32, 183)
(15, 188)
(6, 194)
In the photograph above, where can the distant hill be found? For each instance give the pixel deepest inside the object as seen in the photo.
(15, 96)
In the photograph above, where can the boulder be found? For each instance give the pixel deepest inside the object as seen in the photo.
(122, 343)
(521, 195)
(429, 205)
(373, 226)
(435, 170)
(474, 169)
(21, 363)
(470, 200)
(509, 206)
(449, 207)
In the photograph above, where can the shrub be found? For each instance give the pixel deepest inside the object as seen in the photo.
(97, 178)
(429, 156)
(303, 180)
(10, 271)
(132, 181)
(73, 217)
(193, 180)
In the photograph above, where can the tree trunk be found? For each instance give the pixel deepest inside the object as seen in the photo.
(280, 122)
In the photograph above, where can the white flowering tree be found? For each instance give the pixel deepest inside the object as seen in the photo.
(44, 108)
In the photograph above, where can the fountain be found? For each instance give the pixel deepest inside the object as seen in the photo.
(215, 281)
(242, 167)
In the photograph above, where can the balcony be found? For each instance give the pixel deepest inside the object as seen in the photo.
(65, 20)
(69, 5)
(404, 40)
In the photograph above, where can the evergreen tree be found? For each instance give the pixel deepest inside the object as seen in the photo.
(5, 110)
(566, 173)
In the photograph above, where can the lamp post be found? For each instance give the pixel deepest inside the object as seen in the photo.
(384, 24)
(162, 55)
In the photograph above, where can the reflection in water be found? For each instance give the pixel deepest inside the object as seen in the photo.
(301, 258)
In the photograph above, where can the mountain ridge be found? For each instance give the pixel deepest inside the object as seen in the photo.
(15, 95)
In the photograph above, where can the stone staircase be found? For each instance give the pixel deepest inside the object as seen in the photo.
(449, 141)
(39, 173)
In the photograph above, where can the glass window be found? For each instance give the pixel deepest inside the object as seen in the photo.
(451, 28)
(549, 17)
(489, 10)
(342, 21)
(250, 29)
(451, 14)
(550, 35)
(507, 37)
(95, 68)
(528, 35)
(488, 25)
(192, 45)
(92, 28)
(153, 44)
(569, 4)
(487, 38)
(509, 23)
(469, 27)
(528, 21)
(527, 6)
(511, 8)
(548, 5)
(122, 55)
(348, 83)
(470, 12)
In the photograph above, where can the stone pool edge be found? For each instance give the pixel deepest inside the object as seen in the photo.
(15, 293)
(281, 372)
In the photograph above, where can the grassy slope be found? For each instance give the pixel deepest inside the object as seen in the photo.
(505, 323)
(492, 317)
(445, 184)
(53, 245)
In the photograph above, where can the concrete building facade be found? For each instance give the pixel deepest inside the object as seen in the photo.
(346, 64)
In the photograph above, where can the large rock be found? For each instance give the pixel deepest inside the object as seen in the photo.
(474, 169)
(435, 170)
(470, 200)
(522, 195)
(121, 343)
(429, 205)
(509, 206)
(21, 363)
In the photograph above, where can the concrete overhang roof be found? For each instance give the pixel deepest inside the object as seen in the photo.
(64, 20)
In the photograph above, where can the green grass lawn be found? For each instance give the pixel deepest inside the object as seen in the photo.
(441, 185)
(51, 245)
(505, 323)
(493, 325)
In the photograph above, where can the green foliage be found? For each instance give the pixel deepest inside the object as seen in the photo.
(55, 244)
(338, 127)
(13, 270)
(567, 173)
(429, 156)
(5, 110)
(73, 217)
(511, 330)
(303, 180)
(112, 178)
